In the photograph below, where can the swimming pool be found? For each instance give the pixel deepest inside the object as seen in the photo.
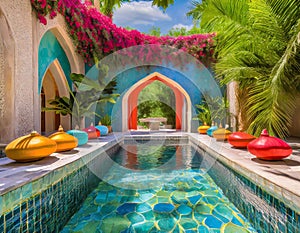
(163, 189)
(55, 191)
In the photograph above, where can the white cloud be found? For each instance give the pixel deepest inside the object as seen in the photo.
(139, 13)
(187, 27)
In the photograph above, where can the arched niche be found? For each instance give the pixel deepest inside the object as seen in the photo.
(7, 65)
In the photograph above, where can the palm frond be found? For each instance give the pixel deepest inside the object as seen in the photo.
(285, 73)
(286, 12)
(197, 9)
(270, 108)
(162, 3)
(258, 46)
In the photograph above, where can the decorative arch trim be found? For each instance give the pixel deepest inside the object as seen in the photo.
(67, 45)
(59, 78)
(49, 50)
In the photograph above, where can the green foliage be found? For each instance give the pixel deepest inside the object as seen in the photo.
(198, 6)
(178, 32)
(175, 32)
(157, 100)
(162, 3)
(87, 95)
(258, 46)
(107, 6)
(155, 31)
(213, 109)
(204, 113)
(106, 120)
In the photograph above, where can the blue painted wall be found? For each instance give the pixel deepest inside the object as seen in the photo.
(49, 50)
(195, 83)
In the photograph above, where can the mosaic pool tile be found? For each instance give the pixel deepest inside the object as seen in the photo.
(126, 208)
(210, 210)
(184, 209)
(135, 217)
(143, 207)
(166, 208)
(167, 224)
(115, 224)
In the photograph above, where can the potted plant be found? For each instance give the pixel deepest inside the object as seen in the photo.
(83, 100)
(204, 115)
(106, 120)
(213, 109)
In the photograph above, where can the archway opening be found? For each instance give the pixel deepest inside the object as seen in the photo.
(54, 84)
(50, 121)
(182, 103)
(157, 100)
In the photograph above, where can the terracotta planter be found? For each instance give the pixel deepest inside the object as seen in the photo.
(269, 148)
(63, 140)
(29, 148)
(240, 139)
(109, 128)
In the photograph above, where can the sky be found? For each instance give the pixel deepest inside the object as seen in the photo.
(141, 15)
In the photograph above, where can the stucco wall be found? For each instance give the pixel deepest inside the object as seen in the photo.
(19, 18)
(7, 63)
(22, 108)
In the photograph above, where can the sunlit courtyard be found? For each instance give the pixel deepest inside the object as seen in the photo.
(150, 116)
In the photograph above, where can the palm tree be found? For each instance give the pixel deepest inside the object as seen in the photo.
(107, 6)
(258, 46)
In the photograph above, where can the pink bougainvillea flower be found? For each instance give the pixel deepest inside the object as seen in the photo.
(42, 19)
(52, 14)
(96, 35)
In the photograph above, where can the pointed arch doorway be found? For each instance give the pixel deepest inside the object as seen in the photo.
(130, 103)
(54, 84)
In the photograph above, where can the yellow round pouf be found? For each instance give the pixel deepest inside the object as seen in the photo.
(221, 134)
(63, 140)
(29, 148)
(203, 129)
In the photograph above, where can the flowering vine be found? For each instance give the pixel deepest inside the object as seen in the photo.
(95, 35)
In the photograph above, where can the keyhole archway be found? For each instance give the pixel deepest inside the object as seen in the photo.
(183, 106)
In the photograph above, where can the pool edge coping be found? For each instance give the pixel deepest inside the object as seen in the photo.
(287, 196)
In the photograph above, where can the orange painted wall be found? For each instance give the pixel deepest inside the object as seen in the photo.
(133, 103)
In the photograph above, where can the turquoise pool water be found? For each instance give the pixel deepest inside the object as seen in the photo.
(157, 189)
